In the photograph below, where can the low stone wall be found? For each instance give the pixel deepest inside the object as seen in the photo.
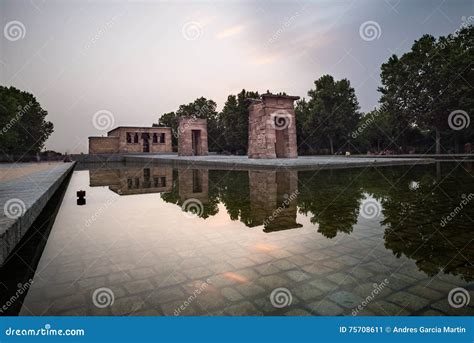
(103, 145)
(90, 158)
(102, 158)
(26, 197)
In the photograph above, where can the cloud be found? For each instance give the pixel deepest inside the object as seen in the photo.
(229, 32)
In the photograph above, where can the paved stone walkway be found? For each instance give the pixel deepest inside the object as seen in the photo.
(13, 171)
(23, 197)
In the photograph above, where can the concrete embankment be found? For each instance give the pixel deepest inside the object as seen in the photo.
(23, 198)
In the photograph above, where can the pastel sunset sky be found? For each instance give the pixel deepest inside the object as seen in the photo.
(141, 59)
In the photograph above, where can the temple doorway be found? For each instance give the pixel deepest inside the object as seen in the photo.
(196, 142)
(146, 142)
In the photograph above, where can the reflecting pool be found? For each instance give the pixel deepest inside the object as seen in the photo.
(153, 240)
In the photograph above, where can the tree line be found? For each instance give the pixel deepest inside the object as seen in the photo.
(426, 103)
(23, 127)
(426, 98)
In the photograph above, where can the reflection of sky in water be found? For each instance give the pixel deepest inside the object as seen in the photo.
(320, 246)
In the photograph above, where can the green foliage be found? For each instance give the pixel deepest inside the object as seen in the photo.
(23, 128)
(227, 130)
(199, 108)
(235, 121)
(170, 119)
(205, 109)
(329, 116)
(426, 84)
(419, 90)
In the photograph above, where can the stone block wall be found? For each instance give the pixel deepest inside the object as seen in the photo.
(272, 127)
(116, 141)
(186, 126)
(125, 147)
(103, 145)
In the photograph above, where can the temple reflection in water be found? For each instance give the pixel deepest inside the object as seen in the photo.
(273, 200)
(133, 180)
(194, 184)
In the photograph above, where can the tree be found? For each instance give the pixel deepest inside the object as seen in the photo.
(332, 111)
(199, 108)
(23, 128)
(234, 120)
(205, 109)
(426, 84)
(306, 139)
(170, 119)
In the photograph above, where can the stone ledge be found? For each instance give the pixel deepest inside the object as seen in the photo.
(300, 163)
(34, 190)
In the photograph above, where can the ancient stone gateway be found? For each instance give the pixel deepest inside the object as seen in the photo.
(272, 127)
(192, 136)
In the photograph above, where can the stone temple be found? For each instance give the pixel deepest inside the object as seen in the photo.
(272, 127)
(132, 139)
(192, 136)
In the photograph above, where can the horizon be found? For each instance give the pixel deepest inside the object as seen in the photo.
(137, 61)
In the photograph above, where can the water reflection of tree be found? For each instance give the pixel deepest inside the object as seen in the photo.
(209, 208)
(332, 197)
(233, 188)
(414, 212)
(414, 203)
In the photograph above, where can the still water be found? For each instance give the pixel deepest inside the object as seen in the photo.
(152, 240)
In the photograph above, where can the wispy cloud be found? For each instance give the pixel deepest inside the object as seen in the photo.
(290, 49)
(229, 32)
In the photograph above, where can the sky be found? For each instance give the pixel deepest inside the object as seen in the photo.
(94, 65)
